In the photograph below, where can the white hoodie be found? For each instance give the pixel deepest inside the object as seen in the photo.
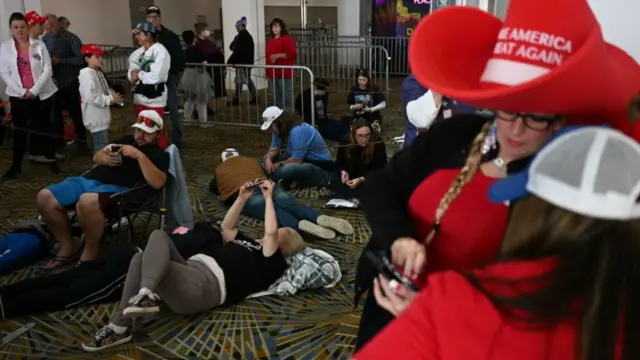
(158, 72)
(96, 100)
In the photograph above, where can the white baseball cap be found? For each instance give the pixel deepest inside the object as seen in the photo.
(269, 115)
(592, 171)
(149, 121)
(229, 153)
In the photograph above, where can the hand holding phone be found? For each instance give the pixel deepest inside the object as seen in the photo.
(386, 269)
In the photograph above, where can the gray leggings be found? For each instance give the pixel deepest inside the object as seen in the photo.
(185, 287)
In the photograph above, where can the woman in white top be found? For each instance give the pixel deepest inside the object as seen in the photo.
(148, 72)
(25, 66)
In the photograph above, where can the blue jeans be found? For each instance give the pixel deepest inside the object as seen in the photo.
(17, 249)
(172, 105)
(283, 92)
(304, 173)
(68, 192)
(100, 140)
(288, 211)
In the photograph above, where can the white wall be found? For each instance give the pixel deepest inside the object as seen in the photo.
(620, 25)
(94, 21)
(327, 3)
(181, 15)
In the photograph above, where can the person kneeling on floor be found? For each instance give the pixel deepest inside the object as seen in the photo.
(229, 271)
(236, 171)
(129, 161)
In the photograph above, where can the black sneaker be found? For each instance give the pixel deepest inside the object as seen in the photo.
(142, 304)
(105, 338)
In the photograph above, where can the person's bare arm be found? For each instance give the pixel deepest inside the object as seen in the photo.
(229, 228)
(154, 176)
(270, 243)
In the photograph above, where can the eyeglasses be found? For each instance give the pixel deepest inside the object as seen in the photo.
(363, 137)
(536, 122)
(148, 122)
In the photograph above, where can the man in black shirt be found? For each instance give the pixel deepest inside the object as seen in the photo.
(172, 43)
(129, 161)
(243, 50)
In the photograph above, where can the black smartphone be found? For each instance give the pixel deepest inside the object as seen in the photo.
(384, 266)
(115, 148)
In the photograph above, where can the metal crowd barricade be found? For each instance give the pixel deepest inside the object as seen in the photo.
(115, 62)
(225, 79)
(339, 63)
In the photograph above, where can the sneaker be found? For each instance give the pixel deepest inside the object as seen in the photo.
(142, 304)
(41, 159)
(340, 225)
(105, 338)
(60, 156)
(316, 230)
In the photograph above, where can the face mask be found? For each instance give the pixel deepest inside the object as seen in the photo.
(207, 33)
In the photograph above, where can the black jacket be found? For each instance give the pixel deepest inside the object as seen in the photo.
(303, 104)
(171, 41)
(387, 191)
(243, 49)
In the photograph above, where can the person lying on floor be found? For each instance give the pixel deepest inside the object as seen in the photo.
(360, 154)
(234, 267)
(235, 171)
(127, 162)
(92, 282)
(298, 153)
(28, 242)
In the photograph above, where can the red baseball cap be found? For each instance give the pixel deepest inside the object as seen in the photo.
(33, 17)
(539, 59)
(92, 49)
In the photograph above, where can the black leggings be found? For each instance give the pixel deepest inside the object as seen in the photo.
(33, 122)
(93, 282)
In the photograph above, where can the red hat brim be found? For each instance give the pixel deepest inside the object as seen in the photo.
(450, 59)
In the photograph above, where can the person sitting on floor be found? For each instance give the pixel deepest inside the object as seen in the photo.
(129, 161)
(298, 153)
(235, 267)
(362, 153)
(318, 99)
(235, 171)
(90, 283)
(367, 100)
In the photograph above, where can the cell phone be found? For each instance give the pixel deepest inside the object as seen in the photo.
(384, 266)
(115, 148)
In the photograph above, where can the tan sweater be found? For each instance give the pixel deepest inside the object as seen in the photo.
(235, 172)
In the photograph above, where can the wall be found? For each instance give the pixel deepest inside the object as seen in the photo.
(291, 14)
(619, 21)
(181, 15)
(94, 21)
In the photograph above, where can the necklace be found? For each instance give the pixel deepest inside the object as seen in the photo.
(500, 164)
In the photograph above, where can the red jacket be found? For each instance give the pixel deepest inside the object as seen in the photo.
(451, 320)
(282, 45)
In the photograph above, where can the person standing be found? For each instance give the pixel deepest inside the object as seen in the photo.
(242, 48)
(148, 72)
(25, 67)
(66, 56)
(281, 50)
(64, 22)
(173, 45)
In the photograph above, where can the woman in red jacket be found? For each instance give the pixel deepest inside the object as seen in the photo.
(281, 51)
(566, 286)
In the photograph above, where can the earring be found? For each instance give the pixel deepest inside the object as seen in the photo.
(490, 141)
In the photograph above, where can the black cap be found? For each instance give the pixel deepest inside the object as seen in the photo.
(321, 83)
(153, 9)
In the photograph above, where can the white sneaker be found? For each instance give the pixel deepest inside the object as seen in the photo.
(316, 230)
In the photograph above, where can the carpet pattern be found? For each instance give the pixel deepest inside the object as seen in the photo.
(318, 324)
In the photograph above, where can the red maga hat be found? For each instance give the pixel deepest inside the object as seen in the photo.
(92, 49)
(33, 17)
(540, 59)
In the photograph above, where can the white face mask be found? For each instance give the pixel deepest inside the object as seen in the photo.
(207, 33)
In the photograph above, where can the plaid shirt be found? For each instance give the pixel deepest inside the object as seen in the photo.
(65, 46)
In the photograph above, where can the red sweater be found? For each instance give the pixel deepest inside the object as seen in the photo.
(282, 45)
(451, 320)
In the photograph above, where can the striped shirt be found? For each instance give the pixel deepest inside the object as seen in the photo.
(65, 46)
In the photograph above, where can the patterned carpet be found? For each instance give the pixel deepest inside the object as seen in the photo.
(319, 324)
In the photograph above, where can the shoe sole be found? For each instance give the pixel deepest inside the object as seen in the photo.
(113, 344)
(316, 230)
(340, 225)
(139, 311)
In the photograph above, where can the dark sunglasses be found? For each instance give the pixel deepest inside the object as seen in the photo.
(148, 122)
(532, 121)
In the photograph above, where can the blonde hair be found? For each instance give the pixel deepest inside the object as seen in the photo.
(464, 176)
(292, 244)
